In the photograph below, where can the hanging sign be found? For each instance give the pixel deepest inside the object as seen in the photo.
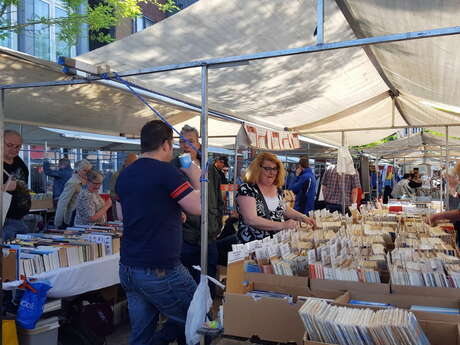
(265, 139)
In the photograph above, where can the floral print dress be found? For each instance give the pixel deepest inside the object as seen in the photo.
(247, 233)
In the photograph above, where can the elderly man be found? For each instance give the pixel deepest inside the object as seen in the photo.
(67, 203)
(15, 178)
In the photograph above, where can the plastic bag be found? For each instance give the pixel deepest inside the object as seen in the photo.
(199, 307)
(31, 307)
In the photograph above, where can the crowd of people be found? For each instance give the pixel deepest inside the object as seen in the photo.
(158, 200)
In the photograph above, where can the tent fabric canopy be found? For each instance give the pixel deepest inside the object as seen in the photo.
(329, 90)
(419, 145)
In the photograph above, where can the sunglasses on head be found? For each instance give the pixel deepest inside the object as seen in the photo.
(268, 169)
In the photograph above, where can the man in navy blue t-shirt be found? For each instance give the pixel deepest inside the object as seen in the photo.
(152, 193)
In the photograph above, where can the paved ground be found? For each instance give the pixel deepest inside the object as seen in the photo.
(121, 337)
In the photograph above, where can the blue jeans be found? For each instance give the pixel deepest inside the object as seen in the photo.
(153, 291)
(13, 227)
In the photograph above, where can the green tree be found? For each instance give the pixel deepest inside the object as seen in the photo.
(104, 15)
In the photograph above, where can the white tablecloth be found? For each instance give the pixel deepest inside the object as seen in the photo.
(75, 280)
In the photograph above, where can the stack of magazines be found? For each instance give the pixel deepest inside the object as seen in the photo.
(332, 324)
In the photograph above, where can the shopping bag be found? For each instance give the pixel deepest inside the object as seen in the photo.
(196, 315)
(6, 205)
(9, 334)
(32, 303)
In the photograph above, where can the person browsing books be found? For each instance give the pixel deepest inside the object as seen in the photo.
(304, 187)
(67, 203)
(91, 208)
(15, 178)
(153, 192)
(260, 201)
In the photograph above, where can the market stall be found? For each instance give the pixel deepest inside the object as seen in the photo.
(359, 99)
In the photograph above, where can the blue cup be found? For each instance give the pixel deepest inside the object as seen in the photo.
(185, 160)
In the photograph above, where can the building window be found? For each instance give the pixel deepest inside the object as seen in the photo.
(62, 47)
(42, 34)
(141, 23)
(9, 18)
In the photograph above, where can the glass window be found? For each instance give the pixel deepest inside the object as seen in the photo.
(41, 32)
(141, 23)
(5, 41)
(62, 47)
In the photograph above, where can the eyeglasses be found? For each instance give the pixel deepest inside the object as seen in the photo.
(268, 169)
(12, 146)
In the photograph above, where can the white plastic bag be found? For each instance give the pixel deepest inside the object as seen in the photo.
(345, 162)
(6, 205)
(196, 315)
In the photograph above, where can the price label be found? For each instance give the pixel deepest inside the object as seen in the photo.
(236, 256)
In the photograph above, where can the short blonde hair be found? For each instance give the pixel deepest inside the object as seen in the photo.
(255, 168)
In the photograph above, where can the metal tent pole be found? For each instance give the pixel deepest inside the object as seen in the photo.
(2, 124)
(441, 190)
(235, 164)
(343, 179)
(319, 22)
(447, 168)
(377, 179)
(204, 163)
(204, 177)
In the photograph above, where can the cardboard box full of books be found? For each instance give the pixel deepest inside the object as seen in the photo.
(269, 319)
(343, 285)
(291, 285)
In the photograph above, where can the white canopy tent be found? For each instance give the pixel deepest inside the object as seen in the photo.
(334, 90)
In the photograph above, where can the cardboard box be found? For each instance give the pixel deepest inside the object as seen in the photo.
(426, 291)
(441, 329)
(9, 266)
(42, 204)
(343, 285)
(292, 285)
(270, 319)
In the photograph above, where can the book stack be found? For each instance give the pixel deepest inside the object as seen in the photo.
(412, 267)
(44, 252)
(333, 324)
(340, 259)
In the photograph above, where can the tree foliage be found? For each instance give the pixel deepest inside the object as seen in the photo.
(104, 15)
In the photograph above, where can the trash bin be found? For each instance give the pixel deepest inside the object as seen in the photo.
(45, 332)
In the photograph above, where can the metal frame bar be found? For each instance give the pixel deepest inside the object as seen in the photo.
(204, 163)
(319, 22)
(447, 168)
(2, 128)
(379, 128)
(454, 30)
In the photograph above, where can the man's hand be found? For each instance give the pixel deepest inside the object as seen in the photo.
(10, 186)
(183, 217)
